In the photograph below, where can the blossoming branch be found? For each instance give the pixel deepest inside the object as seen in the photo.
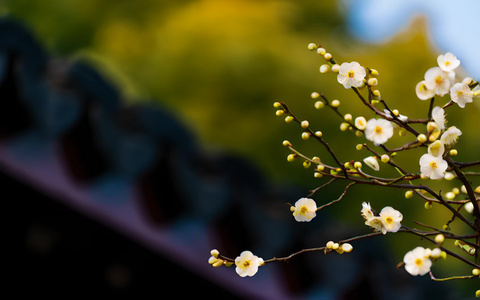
(436, 164)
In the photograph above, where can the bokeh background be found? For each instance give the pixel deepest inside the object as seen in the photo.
(218, 66)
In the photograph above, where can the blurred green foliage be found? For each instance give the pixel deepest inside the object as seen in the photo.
(220, 65)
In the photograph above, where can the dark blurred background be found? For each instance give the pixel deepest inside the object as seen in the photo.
(138, 135)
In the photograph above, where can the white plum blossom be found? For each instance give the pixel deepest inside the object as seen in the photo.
(417, 261)
(379, 131)
(450, 136)
(372, 162)
(425, 90)
(461, 94)
(247, 264)
(391, 219)
(351, 74)
(388, 221)
(438, 115)
(304, 210)
(439, 80)
(448, 62)
(432, 167)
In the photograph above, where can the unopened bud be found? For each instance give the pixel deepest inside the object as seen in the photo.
(305, 135)
(385, 158)
(408, 194)
(335, 68)
(439, 239)
(335, 103)
(324, 68)
(305, 124)
(372, 81)
(422, 138)
(312, 46)
(319, 104)
(321, 51)
(315, 95)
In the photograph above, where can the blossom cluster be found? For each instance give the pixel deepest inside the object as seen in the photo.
(436, 137)
(387, 221)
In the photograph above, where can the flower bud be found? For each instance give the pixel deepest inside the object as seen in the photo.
(469, 207)
(330, 244)
(335, 68)
(347, 117)
(319, 104)
(279, 112)
(453, 152)
(324, 68)
(321, 51)
(318, 133)
(218, 263)
(372, 162)
(317, 175)
(335, 103)
(214, 253)
(372, 81)
(277, 104)
(312, 46)
(439, 239)
(305, 135)
(304, 124)
(291, 157)
(450, 195)
(408, 194)
(357, 165)
(344, 126)
(428, 205)
(315, 95)
(288, 119)
(307, 164)
(359, 147)
(347, 247)
(385, 158)
(436, 253)
(327, 56)
(476, 272)
(286, 143)
(422, 138)
(449, 176)
(374, 72)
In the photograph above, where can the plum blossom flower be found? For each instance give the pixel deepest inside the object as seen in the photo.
(388, 221)
(425, 90)
(417, 261)
(247, 264)
(438, 80)
(432, 166)
(304, 210)
(438, 115)
(391, 219)
(379, 131)
(450, 136)
(351, 74)
(461, 94)
(448, 62)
